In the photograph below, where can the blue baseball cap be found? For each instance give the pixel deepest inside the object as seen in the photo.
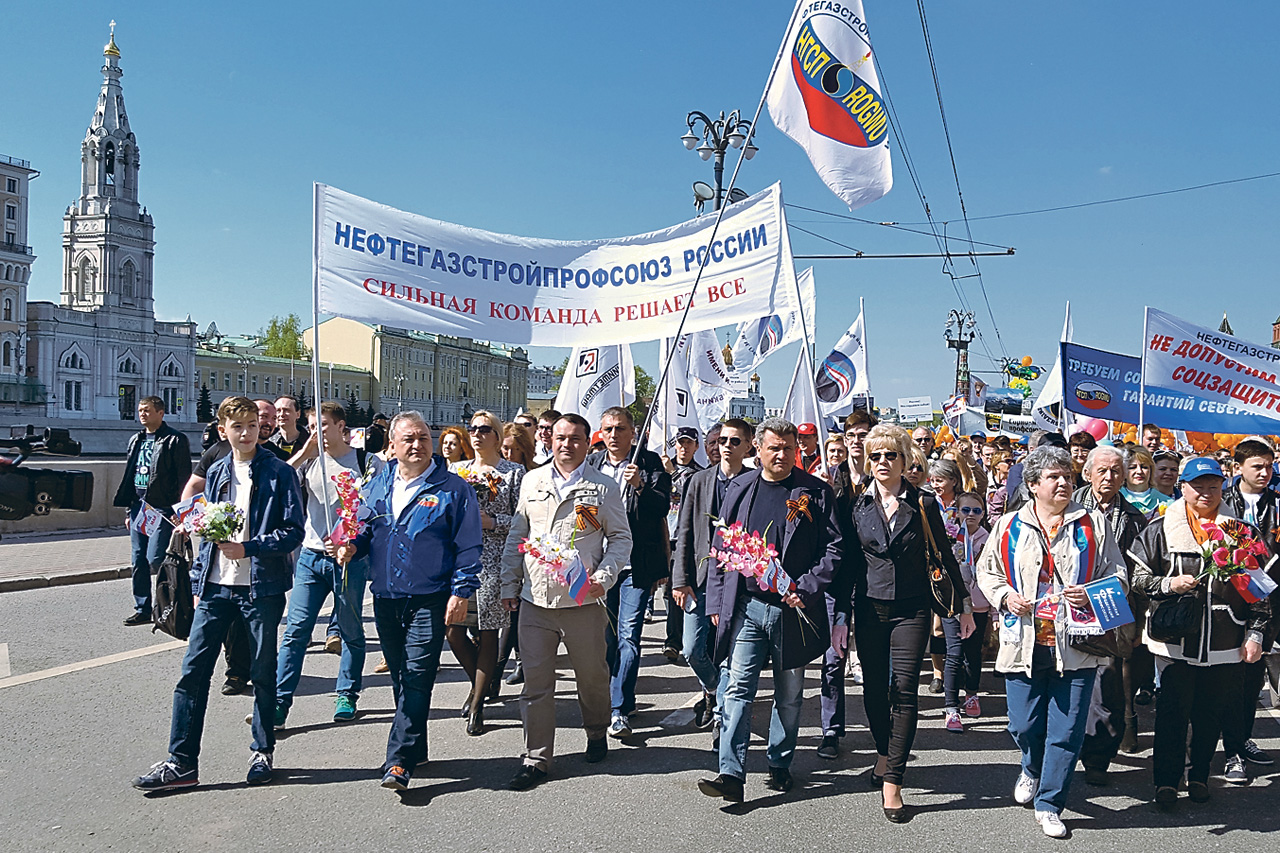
(1200, 466)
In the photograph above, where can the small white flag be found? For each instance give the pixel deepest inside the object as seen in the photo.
(595, 379)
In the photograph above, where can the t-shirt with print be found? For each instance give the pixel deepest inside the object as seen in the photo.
(228, 572)
(146, 460)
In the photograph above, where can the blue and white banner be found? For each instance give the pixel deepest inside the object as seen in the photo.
(1101, 384)
(842, 375)
(825, 94)
(1202, 380)
(381, 265)
(763, 336)
(1110, 605)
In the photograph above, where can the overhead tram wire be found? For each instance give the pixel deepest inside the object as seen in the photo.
(946, 132)
(1102, 201)
(893, 225)
(909, 162)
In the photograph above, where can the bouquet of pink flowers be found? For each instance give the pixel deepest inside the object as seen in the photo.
(485, 483)
(562, 563)
(1233, 555)
(352, 513)
(751, 555)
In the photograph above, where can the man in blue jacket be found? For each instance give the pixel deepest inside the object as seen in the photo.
(423, 544)
(245, 576)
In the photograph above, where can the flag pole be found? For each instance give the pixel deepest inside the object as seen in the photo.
(706, 255)
(315, 345)
(1142, 376)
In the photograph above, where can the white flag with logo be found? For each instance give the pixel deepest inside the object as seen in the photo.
(842, 376)
(825, 94)
(675, 407)
(1052, 391)
(800, 406)
(756, 339)
(709, 380)
(595, 379)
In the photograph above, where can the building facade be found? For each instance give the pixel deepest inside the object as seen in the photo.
(101, 349)
(446, 378)
(18, 383)
(238, 366)
(542, 380)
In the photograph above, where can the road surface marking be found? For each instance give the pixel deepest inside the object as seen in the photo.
(4, 660)
(15, 680)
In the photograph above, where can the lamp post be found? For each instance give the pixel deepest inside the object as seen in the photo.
(400, 378)
(504, 387)
(717, 136)
(959, 332)
(244, 361)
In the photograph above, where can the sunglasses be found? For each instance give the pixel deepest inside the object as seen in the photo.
(544, 427)
(731, 440)
(970, 510)
(480, 429)
(886, 455)
(916, 469)
(1161, 455)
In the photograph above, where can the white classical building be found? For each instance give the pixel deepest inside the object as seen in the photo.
(101, 349)
(18, 384)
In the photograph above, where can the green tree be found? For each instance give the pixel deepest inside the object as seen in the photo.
(355, 415)
(204, 405)
(283, 338)
(645, 388)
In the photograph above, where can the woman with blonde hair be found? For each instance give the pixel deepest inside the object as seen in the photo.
(497, 485)
(892, 601)
(517, 446)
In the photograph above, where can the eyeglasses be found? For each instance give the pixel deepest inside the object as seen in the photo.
(970, 510)
(923, 440)
(916, 469)
(526, 424)
(731, 440)
(544, 427)
(479, 429)
(886, 455)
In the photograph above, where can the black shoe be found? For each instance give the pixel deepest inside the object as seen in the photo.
(779, 780)
(167, 776)
(597, 750)
(517, 675)
(235, 686)
(898, 815)
(528, 777)
(1142, 696)
(495, 687)
(722, 786)
(466, 705)
(1235, 771)
(1166, 798)
(935, 687)
(703, 712)
(671, 653)
(138, 619)
(1129, 743)
(1097, 778)
(1255, 754)
(1198, 792)
(830, 748)
(475, 723)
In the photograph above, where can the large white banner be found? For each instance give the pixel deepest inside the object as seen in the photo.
(1203, 380)
(825, 95)
(381, 265)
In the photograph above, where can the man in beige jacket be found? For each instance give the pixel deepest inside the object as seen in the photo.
(580, 508)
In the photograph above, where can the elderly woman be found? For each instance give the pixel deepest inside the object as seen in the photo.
(1201, 672)
(497, 484)
(891, 601)
(1036, 562)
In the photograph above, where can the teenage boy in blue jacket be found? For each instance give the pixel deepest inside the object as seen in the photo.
(244, 577)
(423, 543)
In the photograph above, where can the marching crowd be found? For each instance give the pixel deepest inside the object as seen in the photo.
(882, 548)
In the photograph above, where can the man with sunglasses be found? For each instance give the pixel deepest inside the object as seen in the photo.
(646, 492)
(528, 423)
(923, 438)
(703, 496)
(542, 436)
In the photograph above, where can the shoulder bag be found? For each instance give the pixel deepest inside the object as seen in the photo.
(942, 599)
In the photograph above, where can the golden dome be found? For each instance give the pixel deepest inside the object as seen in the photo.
(755, 377)
(111, 49)
(727, 354)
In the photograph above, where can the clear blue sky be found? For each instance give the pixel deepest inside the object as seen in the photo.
(562, 120)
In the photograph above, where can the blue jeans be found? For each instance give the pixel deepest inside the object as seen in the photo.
(412, 633)
(953, 666)
(698, 634)
(147, 553)
(832, 704)
(757, 631)
(314, 577)
(220, 606)
(626, 605)
(1047, 716)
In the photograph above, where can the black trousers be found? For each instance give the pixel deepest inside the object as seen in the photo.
(1200, 696)
(1101, 746)
(1237, 724)
(891, 638)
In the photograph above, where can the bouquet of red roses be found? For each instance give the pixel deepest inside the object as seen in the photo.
(1234, 555)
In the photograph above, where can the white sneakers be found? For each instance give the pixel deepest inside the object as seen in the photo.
(1026, 789)
(1051, 824)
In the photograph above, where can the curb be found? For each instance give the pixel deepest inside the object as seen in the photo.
(86, 576)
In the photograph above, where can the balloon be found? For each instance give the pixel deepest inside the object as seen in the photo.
(1096, 427)
(1027, 361)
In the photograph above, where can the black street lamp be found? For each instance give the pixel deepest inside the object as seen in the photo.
(717, 136)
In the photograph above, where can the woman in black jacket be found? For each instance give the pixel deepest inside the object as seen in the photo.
(891, 602)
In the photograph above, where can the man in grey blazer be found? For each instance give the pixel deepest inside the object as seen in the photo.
(703, 498)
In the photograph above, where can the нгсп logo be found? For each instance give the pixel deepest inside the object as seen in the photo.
(840, 104)
(1092, 395)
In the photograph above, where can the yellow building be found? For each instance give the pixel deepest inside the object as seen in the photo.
(233, 367)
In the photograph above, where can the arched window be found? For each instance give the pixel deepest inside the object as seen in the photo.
(127, 277)
(8, 309)
(83, 283)
(111, 163)
(8, 354)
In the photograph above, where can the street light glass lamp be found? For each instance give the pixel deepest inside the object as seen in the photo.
(751, 150)
(690, 139)
(705, 150)
(736, 138)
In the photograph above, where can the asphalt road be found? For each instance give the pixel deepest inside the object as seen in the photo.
(70, 744)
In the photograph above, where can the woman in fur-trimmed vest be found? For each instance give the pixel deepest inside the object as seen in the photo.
(1201, 675)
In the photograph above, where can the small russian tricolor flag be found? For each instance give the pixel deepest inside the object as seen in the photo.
(576, 575)
(1253, 584)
